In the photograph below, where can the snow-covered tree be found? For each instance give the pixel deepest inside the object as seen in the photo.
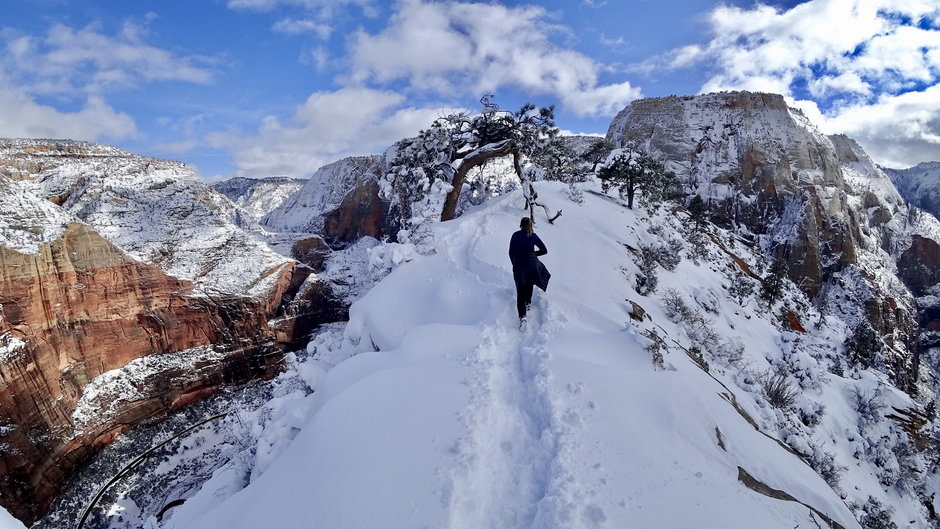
(426, 173)
(632, 170)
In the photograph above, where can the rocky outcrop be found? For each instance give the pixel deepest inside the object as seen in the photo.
(816, 202)
(360, 213)
(80, 308)
(340, 202)
(760, 165)
(919, 265)
(258, 196)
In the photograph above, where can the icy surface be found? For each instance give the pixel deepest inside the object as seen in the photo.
(7, 521)
(433, 409)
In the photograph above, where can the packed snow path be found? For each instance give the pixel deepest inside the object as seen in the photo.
(449, 416)
(512, 472)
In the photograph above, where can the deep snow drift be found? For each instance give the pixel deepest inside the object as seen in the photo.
(432, 409)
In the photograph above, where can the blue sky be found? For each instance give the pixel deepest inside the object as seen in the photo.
(280, 87)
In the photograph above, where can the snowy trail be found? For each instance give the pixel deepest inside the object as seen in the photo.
(511, 471)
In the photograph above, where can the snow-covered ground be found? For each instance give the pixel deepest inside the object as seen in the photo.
(9, 522)
(431, 408)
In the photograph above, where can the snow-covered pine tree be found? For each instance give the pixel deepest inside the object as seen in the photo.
(632, 170)
(426, 173)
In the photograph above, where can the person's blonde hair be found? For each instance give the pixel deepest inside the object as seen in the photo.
(526, 224)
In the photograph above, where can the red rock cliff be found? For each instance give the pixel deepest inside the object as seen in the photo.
(79, 308)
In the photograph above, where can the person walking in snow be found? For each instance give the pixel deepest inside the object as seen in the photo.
(527, 270)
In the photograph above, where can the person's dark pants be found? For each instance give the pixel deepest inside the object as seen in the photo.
(523, 298)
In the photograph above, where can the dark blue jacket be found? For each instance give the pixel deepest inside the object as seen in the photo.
(526, 268)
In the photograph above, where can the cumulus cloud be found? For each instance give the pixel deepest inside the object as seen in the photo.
(66, 61)
(327, 127)
(897, 130)
(867, 68)
(22, 117)
(458, 48)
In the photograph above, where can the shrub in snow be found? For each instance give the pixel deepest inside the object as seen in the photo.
(575, 194)
(695, 353)
(874, 515)
(699, 249)
(731, 352)
(908, 466)
(675, 307)
(775, 387)
(706, 299)
(646, 279)
(668, 255)
(656, 348)
(811, 413)
(825, 465)
(868, 406)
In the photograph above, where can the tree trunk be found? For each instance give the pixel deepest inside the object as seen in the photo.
(474, 159)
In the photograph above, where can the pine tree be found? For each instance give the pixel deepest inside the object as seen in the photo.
(772, 285)
(633, 171)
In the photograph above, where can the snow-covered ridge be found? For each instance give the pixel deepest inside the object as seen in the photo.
(435, 410)
(157, 211)
(920, 185)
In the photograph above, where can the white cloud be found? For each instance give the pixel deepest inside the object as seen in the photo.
(869, 66)
(324, 9)
(327, 127)
(293, 26)
(22, 117)
(67, 61)
(457, 48)
(897, 130)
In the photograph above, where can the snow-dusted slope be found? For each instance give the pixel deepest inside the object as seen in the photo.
(157, 211)
(28, 221)
(432, 408)
(920, 185)
(258, 196)
(303, 211)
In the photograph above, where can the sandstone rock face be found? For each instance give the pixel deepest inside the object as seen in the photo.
(340, 202)
(817, 202)
(919, 265)
(128, 288)
(80, 308)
